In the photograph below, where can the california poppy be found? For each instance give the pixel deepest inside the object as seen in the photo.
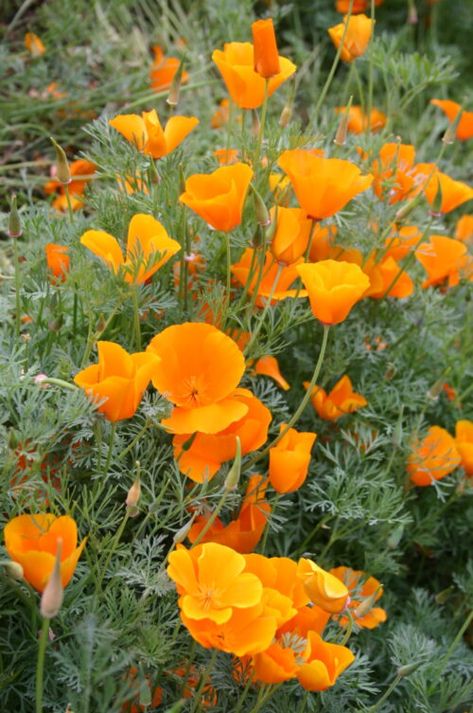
(464, 229)
(464, 444)
(219, 197)
(34, 44)
(357, 36)
(275, 281)
(246, 87)
(323, 186)
(291, 234)
(341, 400)
(436, 184)
(364, 593)
(358, 121)
(451, 109)
(76, 187)
(323, 588)
(442, 258)
(221, 115)
(148, 135)
(119, 380)
(226, 156)
(387, 278)
(401, 241)
(289, 460)
(343, 6)
(333, 287)
(148, 248)
(269, 366)
(266, 58)
(58, 260)
(433, 458)
(395, 172)
(164, 69)
(31, 540)
(133, 705)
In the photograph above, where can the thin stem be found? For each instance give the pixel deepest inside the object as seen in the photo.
(385, 695)
(17, 288)
(43, 642)
(211, 519)
(203, 681)
(59, 382)
(370, 71)
(110, 448)
(69, 203)
(265, 694)
(244, 694)
(349, 629)
(136, 317)
(133, 443)
(264, 111)
(228, 283)
(116, 540)
(408, 259)
(265, 310)
(266, 529)
(452, 647)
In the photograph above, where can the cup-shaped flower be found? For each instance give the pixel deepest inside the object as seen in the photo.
(291, 235)
(199, 369)
(323, 186)
(148, 248)
(341, 400)
(289, 460)
(148, 135)
(358, 121)
(464, 444)
(464, 229)
(31, 540)
(357, 36)
(333, 287)
(364, 593)
(433, 458)
(270, 284)
(443, 193)
(219, 197)
(57, 260)
(163, 70)
(325, 662)
(211, 582)
(266, 57)
(451, 110)
(246, 87)
(118, 381)
(442, 258)
(323, 588)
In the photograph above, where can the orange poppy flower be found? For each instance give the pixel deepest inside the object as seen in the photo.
(219, 197)
(364, 592)
(221, 115)
(240, 270)
(395, 173)
(204, 457)
(382, 275)
(148, 135)
(464, 444)
(340, 401)
(156, 693)
(279, 573)
(211, 582)
(323, 588)
(34, 44)
(280, 188)
(432, 181)
(464, 229)
(333, 287)
(31, 540)
(243, 533)
(401, 241)
(266, 57)
(449, 392)
(268, 366)
(148, 248)
(358, 120)
(163, 70)
(76, 187)
(119, 380)
(226, 156)
(451, 109)
(58, 260)
(291, 234)
(289, 460)
(357, 37)
(323, 186)
(246, 87)
(343, 6)
(199, 369)
(442, 258)
(192, 677)
(433, 458)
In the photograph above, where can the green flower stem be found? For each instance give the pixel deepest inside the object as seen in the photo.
(69, 203)
(136, 317)
(204, 680)
(17, 288)
(370, 71)
(349, 629)
(43, 642)
(59, 382)
(212, 518)
(104, 565)
(385, 696)
(264, 111)
(265, 310)
(228, 284)
(266, 692)
(242, 698)
(444, 661)
(409, 258)
(110, 449)
(274, 505)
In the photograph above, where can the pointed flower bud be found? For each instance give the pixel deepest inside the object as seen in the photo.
(14, 223)
(133, 496)
(409, 668)
(182, 533)
(13, 569)
(367, 604)
(342, 129)
(262, 214)
(450, 135)
(233, 477)
(53, 594)
(63, 173)
(286, 116)
(175, 88)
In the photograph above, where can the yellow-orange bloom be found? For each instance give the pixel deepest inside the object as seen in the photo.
(343, 6)
(226, 156)
(323, 588)
(323, 186)
(289, 460)
(451, 109)
(395, 173)
(401, 241)
(464, 444)
(199, 381)
(247, 87)
(358, 121)
(266, 58)
(221, 115)
(333, 287)
(433, 458)
(268, 366)
(464, 229)
(434, 183)
(34, 44)
(58, 260)
(163, 70)
(219, 197)
(81, 168)
(442, 258)
(357, 36)
(364, 592)
(339, 401)
(148, 248)
(387, 278)
(268, 284)
(291, 235)
(31, 540)
(119, 379)
(148, 135)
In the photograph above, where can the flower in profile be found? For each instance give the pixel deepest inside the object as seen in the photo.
(34, 44)
(280, 290)
(147, 134)
(343, 6)
(395, 172)
(340, 401)
(58, 260)
(289, 460)
(364, 593)
(199, 382)
(442, 258)
(226, 156)
(268, 366)
(211, 582)
(323, 588)
(323, 186)
(436, 184)
(246, 87)
(221, 115)
(432, 458)
(401, 241)
(451, 109)
(464, 444)
(83, 170)
(464, 229)
(32, 541)
(357, 36)
(387, 278)
(265, 48)
(291, 234)
(148, 248)
(358, 121)
(163, 70)
(219, 197)
(333, 287)
(118, 381)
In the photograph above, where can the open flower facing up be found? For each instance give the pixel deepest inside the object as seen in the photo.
(442, 258)
(219, 197)
(289, 460)
(148, 248)
(357, 36)
(236, 64)
(333, 287)
(280, 290)
(291, 235)
(34, 44)
(433, 458)
(163, 70)
(464, 444)
(324, 589)
(81, 168)
(364, 593)
(32, 541)
(148, 135)
(451, 109)
(323, 186)
(358, 121)
(434, 183)
(339, 401)
(119, 380)
(58, 261)
(199, 370)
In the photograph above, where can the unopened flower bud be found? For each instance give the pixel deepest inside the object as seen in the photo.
(51, 599)
(68, 709)
(63, 173)
(412, 17)
(450, 135)
(133, 497)
(286, 116)
(409, 668)
(233, 477)
(14, 223)
(182, 533)
(444, 595)
(175, 88)
(437, 203)
(13, 569)
(262, 213)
